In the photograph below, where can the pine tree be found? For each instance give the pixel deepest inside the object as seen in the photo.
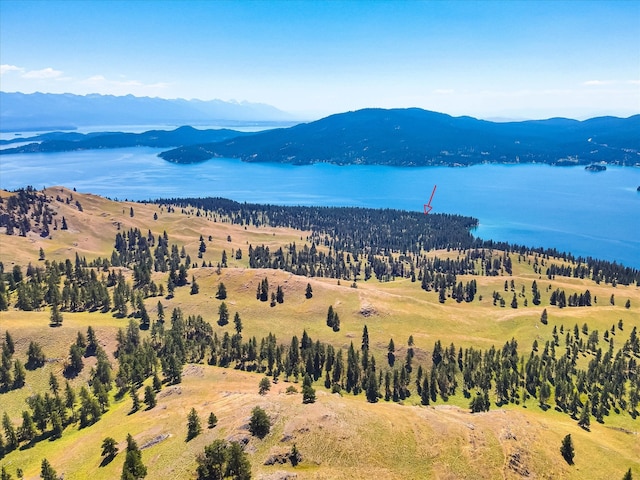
(28, 428)
(308, 292)
(145, 320)
(238, 466)
(479, 403)
(544, 393)
(212, 421)
(157, 383)
(109, 448)
(69, 397)
(585, 416)
(55, 319)
(212, 464)
(193, 424)
(279, 294)
(424, 394)
(365, 339)
(237, 322)
(46, 471)
(4, 302)
(264, 386)
(19, 374)
(223, 314)
(149, 397)
(195, 288)
(92, 342)
(8, 343)
(628, 476)
(566, 449)
(135, 398)
(372, 387)
(133, 468)
(330, 316)
(544, 318)
(160, 309)
(391, 357)
(336, 322)
(308, 392)
(56, 425)
(259, 424)
(9, 433)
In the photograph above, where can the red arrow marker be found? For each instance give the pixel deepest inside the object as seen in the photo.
(427, 206)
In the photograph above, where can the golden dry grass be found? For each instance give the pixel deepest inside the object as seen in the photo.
(339, 437)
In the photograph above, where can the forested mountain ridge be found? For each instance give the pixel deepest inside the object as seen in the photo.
(416, 137)
(71, 141)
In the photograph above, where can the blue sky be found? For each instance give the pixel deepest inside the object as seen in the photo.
(531, 59)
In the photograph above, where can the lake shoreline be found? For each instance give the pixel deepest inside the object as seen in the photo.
(536, 205)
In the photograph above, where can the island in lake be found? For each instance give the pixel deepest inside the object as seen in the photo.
(407, 137)
(596, 167)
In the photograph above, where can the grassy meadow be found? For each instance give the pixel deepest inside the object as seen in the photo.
(339, 437)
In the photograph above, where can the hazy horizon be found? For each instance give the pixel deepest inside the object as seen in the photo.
(295, 119)
(513, 60)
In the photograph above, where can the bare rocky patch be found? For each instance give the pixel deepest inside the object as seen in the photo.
(155, 440)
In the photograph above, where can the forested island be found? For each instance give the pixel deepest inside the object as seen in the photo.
(416, 137)
(595, 167)
(399, 137)
(73, 141)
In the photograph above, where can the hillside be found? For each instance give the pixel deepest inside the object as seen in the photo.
(415, 137)
(341, 435)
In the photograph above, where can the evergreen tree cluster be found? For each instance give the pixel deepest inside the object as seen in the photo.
(363, 231)
(79, 286)
(223, 460)
(350, 228)
(28, 210)
(51, 412)
(333, 320)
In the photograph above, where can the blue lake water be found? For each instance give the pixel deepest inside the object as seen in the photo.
(568, 208)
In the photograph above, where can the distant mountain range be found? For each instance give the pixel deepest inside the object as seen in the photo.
(415, 137)
(47, 111)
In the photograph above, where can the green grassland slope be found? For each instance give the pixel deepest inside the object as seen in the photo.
(341, 435)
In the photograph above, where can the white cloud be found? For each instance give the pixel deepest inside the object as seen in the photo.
(10, 68)
(600, 83)
(101, 84)
(443, 91)
(42, 74)
(95, 79)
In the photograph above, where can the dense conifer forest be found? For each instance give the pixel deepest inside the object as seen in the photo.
(365, 232)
